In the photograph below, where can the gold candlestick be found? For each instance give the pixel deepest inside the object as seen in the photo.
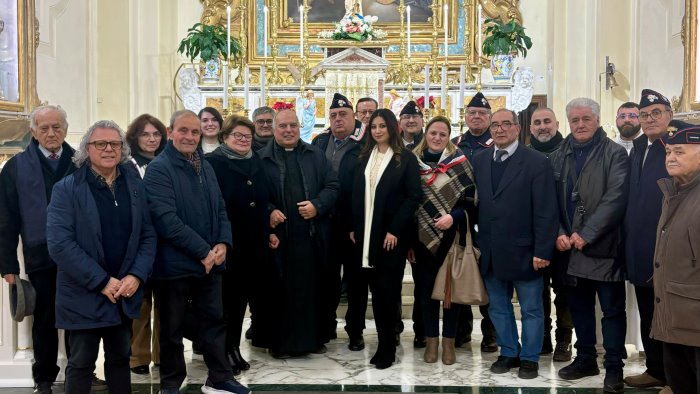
(434, 71)
(469, 39)
(275, 77)
(461, 121)
(243, 8)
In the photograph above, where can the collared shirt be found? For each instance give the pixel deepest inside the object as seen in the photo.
(48, 153)
(510, 150)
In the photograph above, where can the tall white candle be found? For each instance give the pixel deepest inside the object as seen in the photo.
(443, 89)
(246, 77)
(262, 85)
(444, 21)
(479, 29)
(265, 22)
(228, 55)
(462, 76)
(301, 31)
(408, 29)
(426, 94)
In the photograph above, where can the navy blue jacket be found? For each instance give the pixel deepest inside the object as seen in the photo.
(519, 221)
(188, 214)
(643, 210)
(74, 239)
(470, 147)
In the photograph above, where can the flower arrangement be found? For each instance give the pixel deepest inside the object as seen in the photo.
(356, 27)
(280, 105)
(420, 102)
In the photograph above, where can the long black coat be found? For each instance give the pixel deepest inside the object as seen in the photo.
(519, 221)
(396, 200)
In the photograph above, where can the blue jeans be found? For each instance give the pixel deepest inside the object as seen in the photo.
(85, 344)
(611, 296)
(532, 311)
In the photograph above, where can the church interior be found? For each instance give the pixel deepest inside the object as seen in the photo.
(115, 60)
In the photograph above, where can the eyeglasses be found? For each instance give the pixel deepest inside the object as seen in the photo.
(147, 136)
(477, 113)
(505, 126)
(241, 137)
(655, 114)
(628, 116)
(364, 113)
(262, 122)
(102, 145)
(410, 116)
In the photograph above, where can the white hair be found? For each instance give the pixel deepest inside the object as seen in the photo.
(46, 108)
(81, 154)
(583, 102)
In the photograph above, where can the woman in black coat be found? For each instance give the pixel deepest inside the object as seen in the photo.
(387, 193)
(244, 188)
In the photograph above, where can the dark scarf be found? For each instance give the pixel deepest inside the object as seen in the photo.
(549, 146)
(196, 162)
(261, 141)
(440, 201)
(225, 151)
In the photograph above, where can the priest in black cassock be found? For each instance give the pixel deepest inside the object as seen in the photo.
(304, 189)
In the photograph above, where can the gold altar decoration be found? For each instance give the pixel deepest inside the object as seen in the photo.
(690, 96)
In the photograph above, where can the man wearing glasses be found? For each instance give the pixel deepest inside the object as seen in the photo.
(411, 125)
(628, 126)
(647, 160)
(262, 118)
(364, 109)
(478, 136)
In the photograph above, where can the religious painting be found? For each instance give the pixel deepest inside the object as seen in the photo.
(235, 103)
(496, 102)
(331, 11)
(11, 54)
(320, 108)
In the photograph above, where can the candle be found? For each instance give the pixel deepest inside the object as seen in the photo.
(228, 55)
(426, 74)
(479, 24)
(265, 32)
(246, 77)
(262, 85)
(301, 31)
(444, 21)
(461, 85)
(408, 29)
(443, 90)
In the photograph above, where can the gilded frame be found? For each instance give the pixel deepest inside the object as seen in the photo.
(18, 53)
(691, 91)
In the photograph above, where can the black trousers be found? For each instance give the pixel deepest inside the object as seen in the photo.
(236, 291)
(341, 255)
(85, 346)
(652, 348)
(682, 365)
(565, 324)
(385, 283)
(358, 280)
(465, 322)
(207, 309)
(44, 332)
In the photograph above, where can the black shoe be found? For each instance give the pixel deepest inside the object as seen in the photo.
(382, 360)
(547, 345)
(279, 355)
(459, 341)
(141, 370)
(562, 352)
(580, 368)
(98, 384)
(504, 364)
(238, 360)
(356, 343)
(419, 342)
(489, 345)
(196, 348)
(321, 350)
(249, 333)
(613, 381)
(528, 369)
(43, 388)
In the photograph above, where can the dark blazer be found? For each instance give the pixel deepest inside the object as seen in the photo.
(396, 199)
(519, 221)
(188, 214)
(75, 243)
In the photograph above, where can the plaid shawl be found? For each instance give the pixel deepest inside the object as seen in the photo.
(442, 187)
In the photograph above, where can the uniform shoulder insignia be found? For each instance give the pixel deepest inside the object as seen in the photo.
(489, 142)
(358, 133)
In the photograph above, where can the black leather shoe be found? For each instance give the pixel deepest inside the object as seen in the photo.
(43, 388)
(459, 341)
(249, 333)
(238, 360)
(504, 364)
(613, 381)
(489, 345)
(580, 368)
(141, 370)
(528, 369)
(419, 342)
(356, 343)
(562, 352)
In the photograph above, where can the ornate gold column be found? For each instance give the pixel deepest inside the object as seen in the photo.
(275, 77)
(434, 70)
(243, 8)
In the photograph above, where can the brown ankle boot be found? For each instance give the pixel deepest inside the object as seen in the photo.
(448, 351)
(431, 349)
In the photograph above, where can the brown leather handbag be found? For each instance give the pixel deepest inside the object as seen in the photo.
(459, 278)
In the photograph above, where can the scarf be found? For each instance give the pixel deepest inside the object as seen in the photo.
(370, 194)
(229, 153)
(261, 140)
(549, 146)
(196, 162)
(442, 187)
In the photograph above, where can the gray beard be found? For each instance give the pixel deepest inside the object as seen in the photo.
(629, 131)
(544, 137)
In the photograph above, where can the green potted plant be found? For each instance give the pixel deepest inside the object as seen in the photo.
(209, 43)
(503, 41)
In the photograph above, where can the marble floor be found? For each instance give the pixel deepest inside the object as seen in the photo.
(342, 370)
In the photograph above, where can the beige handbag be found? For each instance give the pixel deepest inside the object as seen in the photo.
(459, 278)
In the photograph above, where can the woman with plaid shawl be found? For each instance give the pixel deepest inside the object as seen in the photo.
(448, 187)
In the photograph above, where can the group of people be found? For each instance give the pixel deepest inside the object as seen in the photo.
(208, 216)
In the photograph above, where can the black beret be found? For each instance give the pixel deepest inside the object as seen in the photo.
(340, 101)
(650, 97)
(479, 101)
(679, 132)
(410, 109)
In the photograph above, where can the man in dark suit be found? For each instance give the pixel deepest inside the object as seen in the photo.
(517, 230)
